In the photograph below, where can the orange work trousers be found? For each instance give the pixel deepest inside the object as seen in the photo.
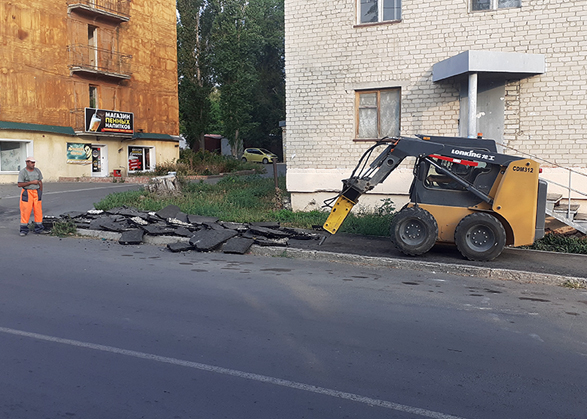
(30, 200)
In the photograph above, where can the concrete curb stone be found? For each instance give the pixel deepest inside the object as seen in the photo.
(382, 262)
(432, 267)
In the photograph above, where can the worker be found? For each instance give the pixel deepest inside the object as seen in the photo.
(30, 179)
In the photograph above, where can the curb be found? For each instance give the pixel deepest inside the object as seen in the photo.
(432, 267)
(381, 262)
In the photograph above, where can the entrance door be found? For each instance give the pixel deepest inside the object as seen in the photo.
(99, 161)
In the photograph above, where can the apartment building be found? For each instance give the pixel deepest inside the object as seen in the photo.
(88, 87)
(359, 70)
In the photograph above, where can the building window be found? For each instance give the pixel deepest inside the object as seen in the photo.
(94, 97)
(139, 159)
(12, 155)
(494, 4)
(378, 113)
(371, 11)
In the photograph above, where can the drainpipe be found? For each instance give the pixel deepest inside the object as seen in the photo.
(472, 131)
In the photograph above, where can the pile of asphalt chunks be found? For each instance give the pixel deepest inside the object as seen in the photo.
(193, 232)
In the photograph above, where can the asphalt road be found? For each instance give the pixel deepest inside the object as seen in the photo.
(92, 329)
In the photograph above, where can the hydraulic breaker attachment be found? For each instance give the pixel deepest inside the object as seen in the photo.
(339, 212)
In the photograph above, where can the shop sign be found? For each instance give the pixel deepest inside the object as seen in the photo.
(115, 122)
(79, 153)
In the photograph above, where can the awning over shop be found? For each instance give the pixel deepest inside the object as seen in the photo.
(36, 127)
(517, 65)
(154, 136)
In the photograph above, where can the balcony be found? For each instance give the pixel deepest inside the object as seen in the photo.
(117, 10)
(89, 60)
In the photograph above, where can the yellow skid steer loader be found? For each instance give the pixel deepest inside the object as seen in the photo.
(463, 192)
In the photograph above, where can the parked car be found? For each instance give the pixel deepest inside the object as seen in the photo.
(258, 155)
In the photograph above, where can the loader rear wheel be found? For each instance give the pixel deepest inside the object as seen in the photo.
(414, 231)
(480, 236)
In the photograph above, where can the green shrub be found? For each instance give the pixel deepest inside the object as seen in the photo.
(558, 243)
(64, 228)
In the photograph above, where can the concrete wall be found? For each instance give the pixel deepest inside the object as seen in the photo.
(329, 57)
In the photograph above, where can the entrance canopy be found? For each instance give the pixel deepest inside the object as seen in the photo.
(514, 64)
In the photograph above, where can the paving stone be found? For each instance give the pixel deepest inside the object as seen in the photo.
(206, 240)
(199, 219)
(139, 221)
(183, 232)
(73, 214)
(268, 232)
(132, 236)
(237, 245)
(112, 225)
(178, 222)
(298, 234)
(83, 225)
(266, 224)
(130, 212)
(234, 226)
(263, 241)
(180, 247)
(170, 211)
(158, 230)
(213, 226)
(115, 211)
(182, 216)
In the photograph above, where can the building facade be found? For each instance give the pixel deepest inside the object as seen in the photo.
(358, 70)
(88, 87)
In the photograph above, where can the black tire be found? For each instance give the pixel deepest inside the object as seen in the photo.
(480, 236)
(265, 161)
(244, 159)
(414, 231)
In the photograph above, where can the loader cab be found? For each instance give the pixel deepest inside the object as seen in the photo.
(430, 186)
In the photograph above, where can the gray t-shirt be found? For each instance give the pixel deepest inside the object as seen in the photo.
(26, 176)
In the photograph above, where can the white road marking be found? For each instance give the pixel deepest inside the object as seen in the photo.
(80, 190)
(235, 373)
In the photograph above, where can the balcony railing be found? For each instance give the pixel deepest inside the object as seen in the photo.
(91, 60)
(113, 9)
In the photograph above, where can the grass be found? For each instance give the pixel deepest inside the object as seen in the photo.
(245, 199)
(204, 163)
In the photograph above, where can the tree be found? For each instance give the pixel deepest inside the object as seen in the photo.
(195, 83)
(231, 68)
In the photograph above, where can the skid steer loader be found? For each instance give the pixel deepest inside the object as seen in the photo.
(463, 192)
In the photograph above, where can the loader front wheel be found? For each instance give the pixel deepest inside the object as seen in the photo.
(413, 231)
(480, 236)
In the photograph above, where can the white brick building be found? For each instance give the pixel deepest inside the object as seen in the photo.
(357, 70)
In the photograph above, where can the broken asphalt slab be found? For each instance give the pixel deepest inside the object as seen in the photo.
(269, 239)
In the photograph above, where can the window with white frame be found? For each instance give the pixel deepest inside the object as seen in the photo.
(372, 11)
(494, 4)
(12, 155)
(378, 113)
(140, 159)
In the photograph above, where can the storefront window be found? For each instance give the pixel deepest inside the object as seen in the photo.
(139, 159)
(12, 154)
